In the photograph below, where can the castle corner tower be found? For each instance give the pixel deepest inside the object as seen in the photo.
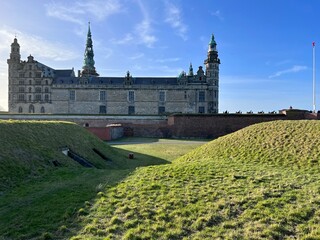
(212, 72)
(13, 66)
(88, 68)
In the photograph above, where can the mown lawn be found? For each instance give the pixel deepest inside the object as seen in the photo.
(41, 201)
(262, 182)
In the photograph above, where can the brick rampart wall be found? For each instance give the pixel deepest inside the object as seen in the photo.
(175, 126)
(212, 126)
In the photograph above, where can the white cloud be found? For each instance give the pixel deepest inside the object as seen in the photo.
(294, 69)
(77, 12)
(137, 56)
(218, 14)
(144, 28)
(144, 31)
(35, 45)
(167, 60)
(174, 18)
(128, 38)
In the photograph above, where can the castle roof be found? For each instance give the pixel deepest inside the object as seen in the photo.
(116, 80)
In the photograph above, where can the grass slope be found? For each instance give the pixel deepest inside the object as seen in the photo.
(28, 148)
(261, 182)
(40, 201)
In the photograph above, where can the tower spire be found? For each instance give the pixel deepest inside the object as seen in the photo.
(190, 70)
(88, 68)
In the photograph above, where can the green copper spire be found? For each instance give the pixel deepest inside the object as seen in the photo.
(88, 68)
(212, 43)
(190, 70)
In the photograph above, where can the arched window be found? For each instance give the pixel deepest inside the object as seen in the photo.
(46, 89)
(42, 110)
(31, 109)
(20, 110)
(30, 89)
(30, 74)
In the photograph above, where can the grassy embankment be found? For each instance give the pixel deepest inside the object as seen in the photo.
(262, 182)
(41, 201)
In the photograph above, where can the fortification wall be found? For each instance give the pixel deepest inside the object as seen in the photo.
(175, 126)
(213, 126)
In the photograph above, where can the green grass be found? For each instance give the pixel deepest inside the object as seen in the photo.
(28, 149)
(168, 149)
(40, 201)
(262, 182)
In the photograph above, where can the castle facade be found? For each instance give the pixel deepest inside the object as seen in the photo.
(37, 88)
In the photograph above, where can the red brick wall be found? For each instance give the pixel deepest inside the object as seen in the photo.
(101, 132)
(212, 126)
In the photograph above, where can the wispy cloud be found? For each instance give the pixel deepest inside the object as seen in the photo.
(144, 28)
(167, 60)
(128, 38)
(137, 56)
(217, 14)
(78, 11)
(36, 45)
(294, 69)
(174, 18)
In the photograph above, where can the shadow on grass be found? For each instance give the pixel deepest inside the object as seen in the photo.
(48, 207)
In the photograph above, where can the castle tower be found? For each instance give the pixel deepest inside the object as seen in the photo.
(88, 68)
(212, 73)
(190, 70)
(13, 66)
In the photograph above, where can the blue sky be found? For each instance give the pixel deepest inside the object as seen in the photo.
(265, 46)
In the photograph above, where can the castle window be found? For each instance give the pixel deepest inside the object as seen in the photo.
(31, 109)
(30, 82)
(102, 109)
(72, 95)
(46, 98)
(30, 98)
(38, 97)
(46, 90)
(21, 82)
(131, 96)
(215, 93)
(42, 110)
(30, 89)
(38, 75)
(21, 75)
(38, 82)
(161, 110)
(131, 110)
(201, 96)
(21, 97)
(102, 95)
(201, 110)
(21, 89)
(30, 74)
(38, 89)
(46, 82)
(185, 94)
(20, 110)
(30, 67)
(162, 96)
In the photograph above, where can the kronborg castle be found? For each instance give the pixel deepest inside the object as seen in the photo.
(37, 88)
